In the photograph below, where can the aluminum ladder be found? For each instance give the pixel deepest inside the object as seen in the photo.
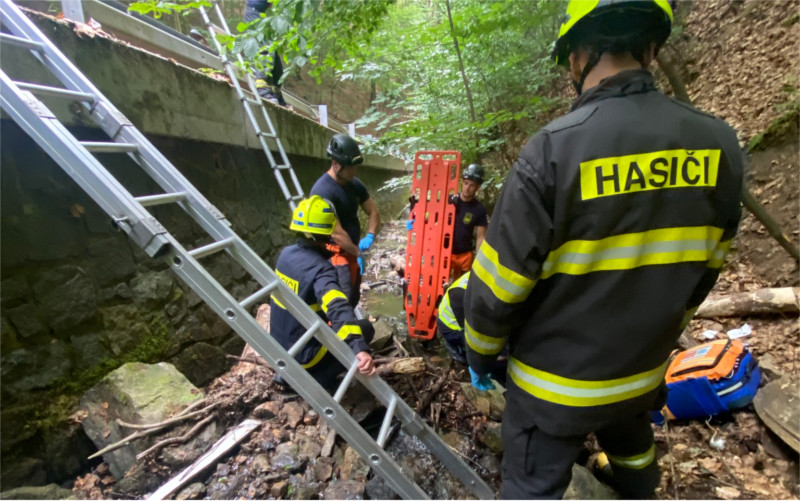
(251, 102)
(131, 216)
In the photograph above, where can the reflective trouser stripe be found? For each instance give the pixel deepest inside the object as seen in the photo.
(633, 250)
(344, 331)
(481, 343)
(507, 285)
(579, 393)
(636, 462)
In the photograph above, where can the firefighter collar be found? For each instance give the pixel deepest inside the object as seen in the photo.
(623, 83)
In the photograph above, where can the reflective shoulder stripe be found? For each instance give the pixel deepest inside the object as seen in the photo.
(633, 250)
(636, 462)
(481, 343)
(579, 393)
(314, 361)
(349, 330)
(446, 314)
(507, 285)
(331, 296)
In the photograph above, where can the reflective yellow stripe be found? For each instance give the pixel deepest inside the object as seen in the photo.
(635, 462)
(578, 393)
(633, 250)
(507, 285)
(314, 361)
(446, 314)
(481, 343)
(347, 330)
(687, 317)
(720, 253)
(330, 296)
(314, 306)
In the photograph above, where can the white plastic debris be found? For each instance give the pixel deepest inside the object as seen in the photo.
(709, 334)
(717, 443)
(742, 331)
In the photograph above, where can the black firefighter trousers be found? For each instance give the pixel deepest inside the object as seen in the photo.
(537, 465)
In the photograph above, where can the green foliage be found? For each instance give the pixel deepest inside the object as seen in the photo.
(158, 8)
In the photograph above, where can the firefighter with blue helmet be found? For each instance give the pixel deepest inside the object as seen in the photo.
(611, 229)
(306, 268)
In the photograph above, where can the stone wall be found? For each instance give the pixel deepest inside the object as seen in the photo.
(79, 298)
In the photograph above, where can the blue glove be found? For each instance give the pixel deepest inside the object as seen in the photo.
(366, 242)
(360, 264)
(410, 224)
(482, 383)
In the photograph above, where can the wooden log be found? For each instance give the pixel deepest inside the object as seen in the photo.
(760, 302)
(413, 365)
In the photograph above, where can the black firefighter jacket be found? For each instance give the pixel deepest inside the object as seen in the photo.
(610, 231)
(307, 270)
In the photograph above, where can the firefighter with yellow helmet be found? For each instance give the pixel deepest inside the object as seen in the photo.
(610, 231)
(306, 268)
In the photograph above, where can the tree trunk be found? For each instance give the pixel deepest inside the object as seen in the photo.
(760, 302)
(461, 66)
(770, 224)
(675, 81)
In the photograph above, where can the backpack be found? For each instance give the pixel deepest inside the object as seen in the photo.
(709, 379)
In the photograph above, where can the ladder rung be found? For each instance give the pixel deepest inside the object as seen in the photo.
(251, 101)
(210, 248)
(250, 301)
(304, 338)
(283, 167)
(56, 91)
(164, 198)
(345, 382)
(107, 147)
(295, 198)
(387, 422)
(267, 134)
(22, 42)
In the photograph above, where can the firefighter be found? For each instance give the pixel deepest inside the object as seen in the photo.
(450, 324)
(471, 220)
(268, 80)
(610, 230)
(347, 193)
(306, 268)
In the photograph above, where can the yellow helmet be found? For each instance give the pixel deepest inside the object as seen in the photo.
(314, 215)
(579, 11)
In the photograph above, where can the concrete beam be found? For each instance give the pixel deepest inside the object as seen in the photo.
(163, 97)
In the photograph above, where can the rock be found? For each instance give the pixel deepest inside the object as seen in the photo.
(135, 393)
(186, 453)
(126, 324)
(309, 447)
(153, 288)
(67, 297)
(89, 349)
(769, 367)
(376, 488)
(37, 367)
(293, 413)
(305, 490)
(383, 334)
(585, 486)
(194, 491)
(311, 418)
(352, 466)
(49, 491)
(344, 489)
(23, 472)
(260, 463)
(66, 449)
(492, 437)
(278, 489)
(457, 441)
(491, 464)
(490, 403)
(330, 441)
(201, 363)
(323, 470)
(287, 461)
(137, 481)
(27, 320)
(267, 410)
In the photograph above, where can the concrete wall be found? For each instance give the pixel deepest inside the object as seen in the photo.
(79, 298)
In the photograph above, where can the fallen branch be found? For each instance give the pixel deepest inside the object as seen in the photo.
(176, 419)
(143, 433)
(177, 440)
(428, 398)
(400, 365)
(772, 226)
(250, 360)
(760, 302)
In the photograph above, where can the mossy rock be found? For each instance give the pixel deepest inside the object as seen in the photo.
(782, 130)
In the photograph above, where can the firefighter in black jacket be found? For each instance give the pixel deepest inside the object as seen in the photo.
(611, 229)
(306, 268)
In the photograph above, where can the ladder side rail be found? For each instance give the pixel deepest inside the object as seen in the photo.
(63, 69)
(82, 167)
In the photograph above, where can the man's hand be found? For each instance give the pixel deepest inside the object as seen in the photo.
(366, 242)
(365, 364)
(482, 383)
(410, 224)
(453, 199)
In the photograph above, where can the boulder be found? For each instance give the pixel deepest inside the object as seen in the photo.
(492, 437)
(489, 403)
(584, 485)
(201, 363)
(136, 393)
(49, 491)
(383, 334)
(344, 489)
(352, 466)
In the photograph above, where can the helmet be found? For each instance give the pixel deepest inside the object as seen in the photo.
(344, 150)
(653, 15)
(474, 172)
(314, 215)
